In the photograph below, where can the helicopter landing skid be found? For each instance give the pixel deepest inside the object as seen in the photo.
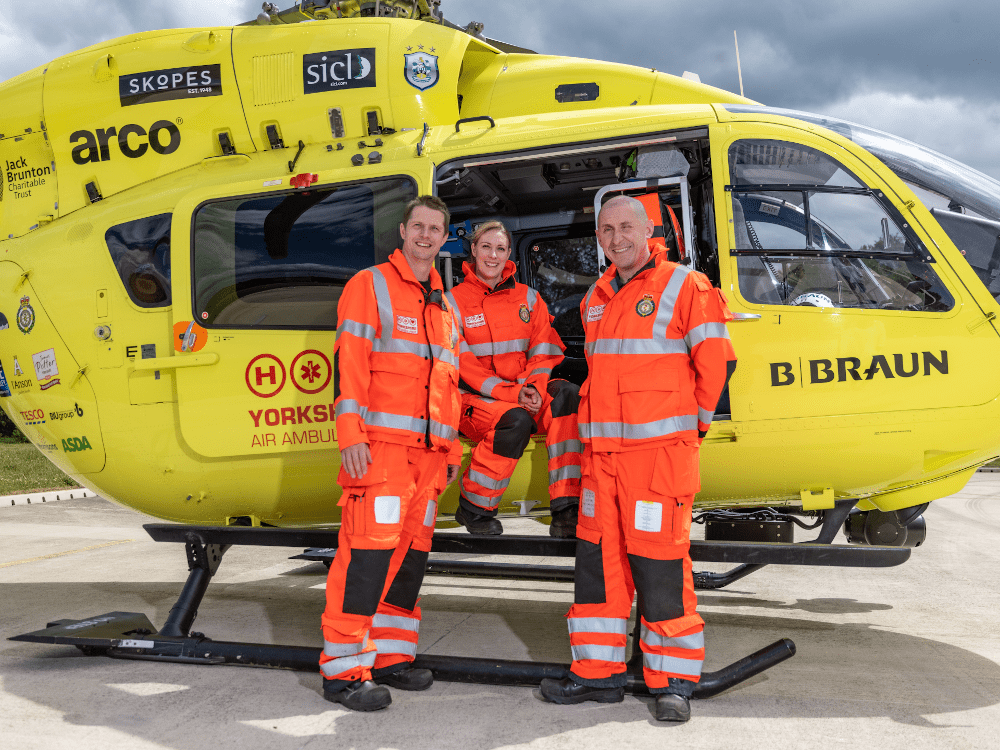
(130, 635)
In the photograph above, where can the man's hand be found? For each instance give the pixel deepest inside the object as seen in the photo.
(453, 470)
(529, 399)
(355, 458)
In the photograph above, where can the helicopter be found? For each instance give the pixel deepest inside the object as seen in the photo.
(181, 210)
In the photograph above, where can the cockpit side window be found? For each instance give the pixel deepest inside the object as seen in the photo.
(280, 261)
(140, 250)
(809, 232)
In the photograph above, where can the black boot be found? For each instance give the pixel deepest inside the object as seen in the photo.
(564, 523)
(477, 524)
(670, 707)
(567, 691)
(363, 695)
(407, 679)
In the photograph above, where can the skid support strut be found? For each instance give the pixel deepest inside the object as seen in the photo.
(833, 521)
(203, 562)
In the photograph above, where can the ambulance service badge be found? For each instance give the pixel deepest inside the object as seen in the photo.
(25, 316)
(421, 70)
(525, 314)
(646, 306)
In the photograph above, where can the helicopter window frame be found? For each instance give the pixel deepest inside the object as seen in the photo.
(257, 195)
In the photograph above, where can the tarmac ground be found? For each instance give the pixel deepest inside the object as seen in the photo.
(905, 657)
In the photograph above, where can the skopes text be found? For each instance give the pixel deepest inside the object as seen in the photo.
(843, 369)
(163, 136)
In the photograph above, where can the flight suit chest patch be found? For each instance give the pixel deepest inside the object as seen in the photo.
(524, 313)
(596, 312)
(475, 321)
(645, 307)
(406, 324)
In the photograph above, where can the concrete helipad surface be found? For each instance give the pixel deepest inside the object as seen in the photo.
(907, 657)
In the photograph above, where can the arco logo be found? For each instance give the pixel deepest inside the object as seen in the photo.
(163, 137)
(72, 445)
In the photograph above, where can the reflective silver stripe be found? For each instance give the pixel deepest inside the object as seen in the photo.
(489, 384)
(510, 347)
(586, 300)
(484, 481)
(638, 346)
(344, 649)
(665, 310)
(389, 345)
(589, 347)
(395, 621)
(661, 663)
(535, 371)
(347, 663)
(489, 503)
(407, 648)
(598, 625)
(384, 302)
(463, 347)
(693, 641)
(355, 328)
(457, 312)
(705, 416)
(550, 349)
(445, 431)
(395, 421)
(564, 472)
(704, 332)
(660, 428)
(532, 298)
(445, 355)
(350, 406)
(600, 653)
(482, 350)
(566, 446)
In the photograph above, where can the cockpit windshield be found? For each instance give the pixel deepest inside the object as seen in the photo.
(965, 202)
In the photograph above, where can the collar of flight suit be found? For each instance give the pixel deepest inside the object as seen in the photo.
(506, 278)
(610, 282)
(402, 266)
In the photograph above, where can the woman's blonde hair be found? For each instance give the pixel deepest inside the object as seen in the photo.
(491, 226)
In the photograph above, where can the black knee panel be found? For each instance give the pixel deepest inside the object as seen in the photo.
(406, 585)
(365, 580)
(513, 432)
(588, 583)
(565, 398)
(660, 584)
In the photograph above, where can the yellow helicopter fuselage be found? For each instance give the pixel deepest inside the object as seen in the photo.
(165, 404)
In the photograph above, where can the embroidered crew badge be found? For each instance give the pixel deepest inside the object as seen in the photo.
(646, 306)
(25, 316)
(525, 314)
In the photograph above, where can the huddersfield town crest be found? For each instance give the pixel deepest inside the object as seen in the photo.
(421, 70)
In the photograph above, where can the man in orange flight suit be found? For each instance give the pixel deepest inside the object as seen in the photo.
(508, 353)
(397, 409)
(659, 357)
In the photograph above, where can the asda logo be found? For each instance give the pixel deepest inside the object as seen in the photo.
(72, 445)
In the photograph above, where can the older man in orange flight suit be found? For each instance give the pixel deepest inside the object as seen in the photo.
(508, 353)
(659, 357)
(397, 409)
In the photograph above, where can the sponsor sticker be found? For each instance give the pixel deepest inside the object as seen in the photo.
(406, 325)
(34, 416)
(588, 503)
(648, 516)
(74, 444)
(4, 388)
(46, 369)
(595, 313)
(192, 82)
(25, 317)
(18, 372)
(475, 321)
(421, 70)
(338, 70)
(4, 325)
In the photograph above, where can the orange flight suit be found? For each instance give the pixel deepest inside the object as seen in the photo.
(395, 388)
(508, 342)
(659, 357)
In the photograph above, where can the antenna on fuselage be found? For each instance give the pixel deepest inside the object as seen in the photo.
(739, 70)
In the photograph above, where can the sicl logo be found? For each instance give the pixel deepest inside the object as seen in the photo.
(310, 372)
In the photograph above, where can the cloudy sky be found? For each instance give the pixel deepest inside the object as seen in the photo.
(926, 70)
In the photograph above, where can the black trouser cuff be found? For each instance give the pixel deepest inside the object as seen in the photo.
(476, 509)
(335, 686)
(676, 686)
(562, 503)
(391, 669)
(614, 681)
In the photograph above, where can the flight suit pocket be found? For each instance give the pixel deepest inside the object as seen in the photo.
(647, 394)
(649, 523)
(675, 470)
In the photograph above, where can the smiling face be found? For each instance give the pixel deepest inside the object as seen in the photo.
(423, 236)
(491, 253)
(622, 231)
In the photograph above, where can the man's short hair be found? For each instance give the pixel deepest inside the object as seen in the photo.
(491, 226)
(427, 201)
(637, 208)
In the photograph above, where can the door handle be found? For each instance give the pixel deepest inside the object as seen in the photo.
(174, 363)
(744, 317)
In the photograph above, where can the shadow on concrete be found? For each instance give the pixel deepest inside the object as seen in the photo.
(841, 671)
(816, 606)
